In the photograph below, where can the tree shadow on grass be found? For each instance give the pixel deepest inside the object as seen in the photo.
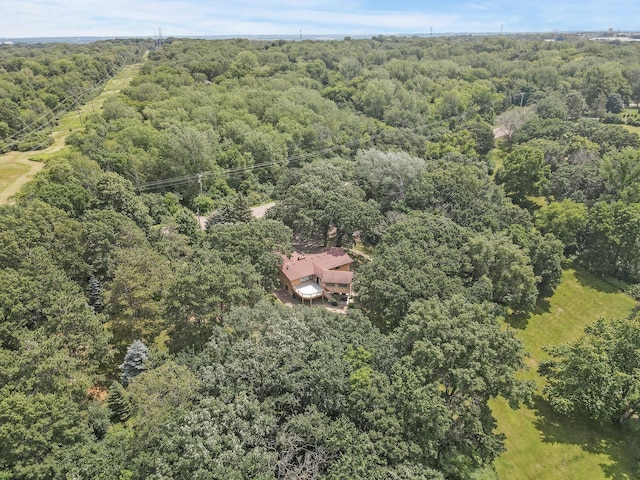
(520, 320)
(589, 280)
(620, 446)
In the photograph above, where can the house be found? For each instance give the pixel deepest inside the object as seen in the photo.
(317, 274)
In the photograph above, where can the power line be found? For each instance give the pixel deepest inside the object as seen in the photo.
(174, 181)
(50, 119)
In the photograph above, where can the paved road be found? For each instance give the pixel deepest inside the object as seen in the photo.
(261, 210)
(257, 212)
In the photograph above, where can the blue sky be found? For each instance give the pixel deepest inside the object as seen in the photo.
(42, 18)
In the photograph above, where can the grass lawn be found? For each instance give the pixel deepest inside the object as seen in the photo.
(10, 172)
(631, 128)
(541, 444)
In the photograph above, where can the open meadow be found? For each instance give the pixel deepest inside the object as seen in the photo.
(540, 443)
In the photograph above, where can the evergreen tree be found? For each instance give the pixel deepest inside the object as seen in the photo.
(133, 364)
(96, 294)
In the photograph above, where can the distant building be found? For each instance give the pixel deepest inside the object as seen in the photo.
(322, 273)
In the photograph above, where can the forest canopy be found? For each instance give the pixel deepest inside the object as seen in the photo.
(134, 343)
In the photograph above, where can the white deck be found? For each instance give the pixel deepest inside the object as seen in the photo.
(309, 290)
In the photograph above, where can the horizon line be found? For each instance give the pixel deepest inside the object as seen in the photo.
(329, 35)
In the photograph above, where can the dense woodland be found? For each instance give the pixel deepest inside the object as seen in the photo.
(134, 344)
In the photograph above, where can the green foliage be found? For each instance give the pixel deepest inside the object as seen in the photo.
(134, 295)
(621, 174)
(260, 391)
(566, 220)
(116, 193)
(426, 256)
(387, 177)
(233, 209)
(597, 376)
(34, 432)
(105, 231)
(39, 81)
(255, 243)
(611, 236)
(451, 344)
(203, 289)
(614, 104)
(319, 197)
(466, 194)
(524, 173)
(507, 268)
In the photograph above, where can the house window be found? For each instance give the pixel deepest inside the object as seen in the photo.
(343, 285)
(306, 279)
(330, 284)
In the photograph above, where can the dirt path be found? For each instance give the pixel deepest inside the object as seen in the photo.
(70, 122)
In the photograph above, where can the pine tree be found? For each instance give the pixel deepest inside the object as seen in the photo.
(96, 294)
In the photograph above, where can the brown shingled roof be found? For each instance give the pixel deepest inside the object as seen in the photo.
(317, 263)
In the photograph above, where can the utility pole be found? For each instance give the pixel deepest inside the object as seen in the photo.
(300, 34)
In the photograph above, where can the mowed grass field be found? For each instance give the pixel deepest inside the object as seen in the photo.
(17, 168)
(540, 444)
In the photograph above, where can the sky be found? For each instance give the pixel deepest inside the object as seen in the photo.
(68, 18)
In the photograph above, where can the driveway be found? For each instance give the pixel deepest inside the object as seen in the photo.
(261, 210)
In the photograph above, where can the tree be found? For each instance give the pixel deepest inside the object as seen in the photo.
(96, 294)
(507, 268)
(116, 193)
(575, 105)
(603, 80)
(609, 243)
(134, 362)
(614, 103)
(421, 256)
(581, 182)
(157, 395)
(321, 196)
(465, 193)
(483, 135)
(621, 173)
(552, 106)
(566, 220)
(386, 177)
(231, 210)
(524, 173)
(105, 231)
(597, 375)
(462, 348)
(204, 288)
(134, 295)
(35, 431)
(256, 244)
(512, 120)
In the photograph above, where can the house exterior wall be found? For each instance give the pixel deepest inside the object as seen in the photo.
(335, 288)
(285, 281)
